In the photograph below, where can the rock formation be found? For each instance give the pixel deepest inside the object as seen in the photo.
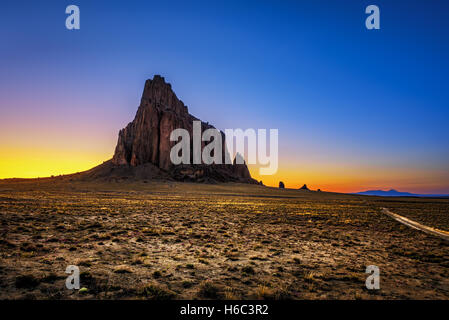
(281, 185)
(143, 147)
(304, 187)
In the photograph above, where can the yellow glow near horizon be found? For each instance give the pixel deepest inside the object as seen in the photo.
(17, 163)
(38, 162)
(354, 178)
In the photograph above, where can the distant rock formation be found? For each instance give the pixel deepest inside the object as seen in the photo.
(143, 147)
(395, 193)
(281, 185)
(319, 190)
(304, 187)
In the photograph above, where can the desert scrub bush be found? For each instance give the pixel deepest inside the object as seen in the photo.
(157, 274)
(51, 277)
(296, 260)
(312, 277)
(28, 247)
(26, 281)
(358, 296)
(229, 294)
(94, 225)
(209, 290)
(137, 260)
(83, 290)
(85, 276)
(154, 292)
(157, 231)
(122, 269)
(248, 270)
(187, 284)
(233, 256)
(258, 258)
(264, 293)
(84, 263)
(282, 294)
(9, 244)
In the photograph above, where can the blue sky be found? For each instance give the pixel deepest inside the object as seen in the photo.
(340, 95)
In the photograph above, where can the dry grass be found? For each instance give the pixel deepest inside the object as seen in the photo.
(161, 240)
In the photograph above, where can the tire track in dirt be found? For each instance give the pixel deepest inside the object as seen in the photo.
(416, 225)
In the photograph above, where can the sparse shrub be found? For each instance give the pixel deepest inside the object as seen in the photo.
(154, 292)
(85, 276)
(50, 278)
(310, 276)
(296, 260)
(27, 247)
(229, 294)
(248, 270)
(282, 294)
(83, 290)
(9, 244)
(265, 293)
(209, 290)
(85, 263)
(232, 269)
(27, 281)
(122, 269)
(137, 261)
(94, 225)
(157, 274)
(187, 284)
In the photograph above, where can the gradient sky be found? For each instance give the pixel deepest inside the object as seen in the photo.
(356, 109)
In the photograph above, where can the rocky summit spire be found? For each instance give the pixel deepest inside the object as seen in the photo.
(146, 140)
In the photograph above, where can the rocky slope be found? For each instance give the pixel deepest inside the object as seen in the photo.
(143, 147)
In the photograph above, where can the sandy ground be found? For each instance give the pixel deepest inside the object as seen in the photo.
(160, 240)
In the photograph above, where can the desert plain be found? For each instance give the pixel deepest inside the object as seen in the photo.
(172, 240)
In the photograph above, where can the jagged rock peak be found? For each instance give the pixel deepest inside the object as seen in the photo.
(146, 140)
(160, 93)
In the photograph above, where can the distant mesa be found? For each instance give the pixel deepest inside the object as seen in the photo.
(281, 185)
(143, 146)
(304, 187)
(395, 193)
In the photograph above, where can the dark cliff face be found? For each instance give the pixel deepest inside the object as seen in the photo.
(146, 140)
